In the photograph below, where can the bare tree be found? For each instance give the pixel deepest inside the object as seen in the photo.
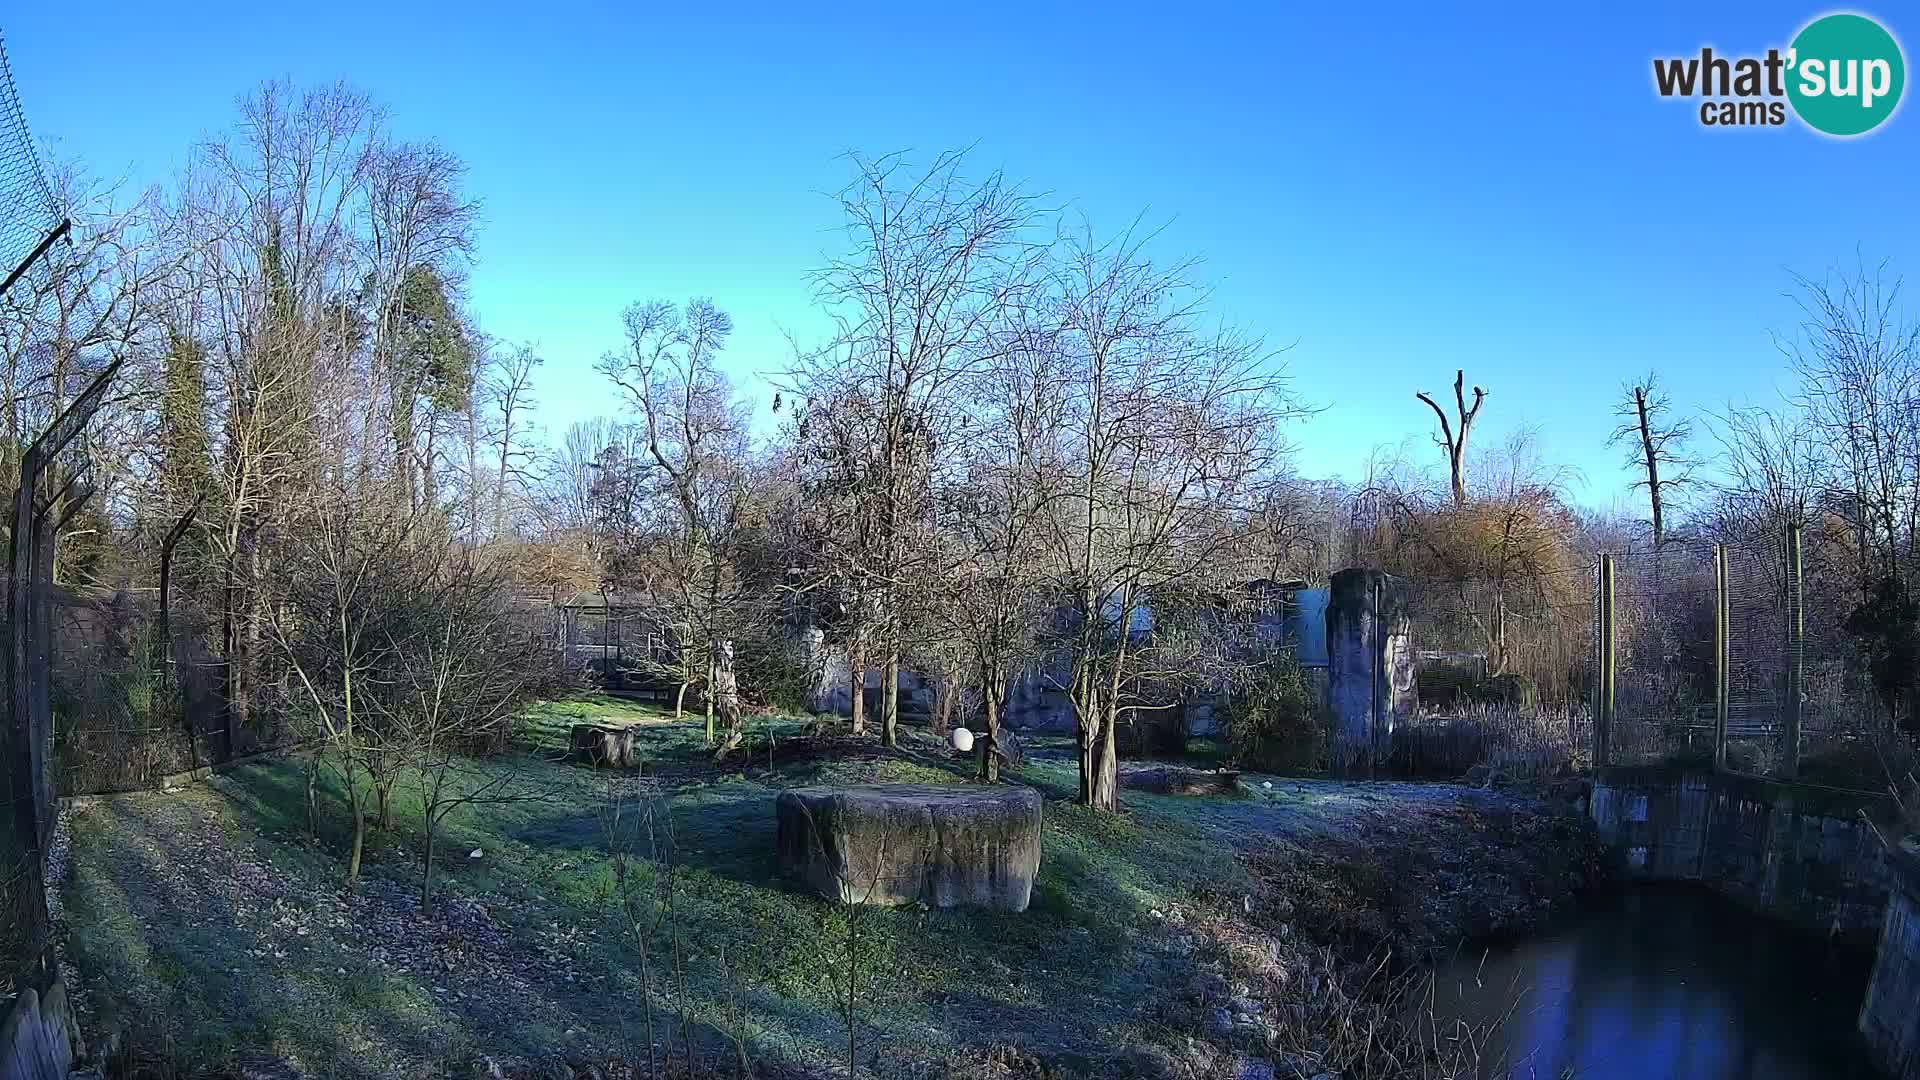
(418, 234)
(934, 260)
(457, 682)
(1858, 359)
(694, 435)
(267, 218)
(1162, 434)
(1452, 442)
(507, 387)
(1657, 447)
(990, 598)
(1774, 470)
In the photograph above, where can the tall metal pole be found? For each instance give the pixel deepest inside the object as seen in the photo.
(1603, 715)
(1796, 656)
(33, 256)
(1377, 655)
(1722, 613)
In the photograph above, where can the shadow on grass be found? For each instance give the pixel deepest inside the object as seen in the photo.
(162, 949)
(175, 945)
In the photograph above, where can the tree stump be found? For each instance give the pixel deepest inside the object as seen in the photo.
(1178, 780)
(604, 746)
(892, 844)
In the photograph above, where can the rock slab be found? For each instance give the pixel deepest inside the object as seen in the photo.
(1177, 780)
(39, 1035)
(893, 844)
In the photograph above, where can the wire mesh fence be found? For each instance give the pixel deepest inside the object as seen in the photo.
(1845, 723)
(1500, 675)
(1663, 641)
(1763, 635)
(30, 220)
(1760, 598)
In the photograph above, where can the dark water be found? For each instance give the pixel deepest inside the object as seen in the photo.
(1667, 982)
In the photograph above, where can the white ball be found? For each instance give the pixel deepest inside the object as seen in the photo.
(962, 739)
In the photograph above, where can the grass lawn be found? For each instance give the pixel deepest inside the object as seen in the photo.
(209, 923)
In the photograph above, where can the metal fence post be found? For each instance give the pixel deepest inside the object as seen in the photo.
(1721, 654)
(1377, 664)
(1603, 704)
(1796, 657)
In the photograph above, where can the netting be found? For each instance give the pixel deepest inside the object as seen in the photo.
(1759, 601)
(1842, 717)
(1794, 661)
(1500, 675)
(27, 207)
(42, 298)
(45, 365)
(1664, 703)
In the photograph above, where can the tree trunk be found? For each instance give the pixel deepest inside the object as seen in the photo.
(163, 633)
(1086, 716)
(359, 840)
(1098, 710)
(713, 685)
(1106, 777)
(857, 675)
(992, 693)
(429, 493)
(724, 692)
(233, 669)
(890, 699)
(426, 875)
(403, 441)
(255, 625)
(1652, 460)
(680, 700)
(313, 801)
(945, 691)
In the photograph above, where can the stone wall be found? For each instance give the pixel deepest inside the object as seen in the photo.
(38, 1039)
(1890, 1017)
(1791, 851)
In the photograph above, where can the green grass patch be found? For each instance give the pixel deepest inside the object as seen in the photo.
(188, 899)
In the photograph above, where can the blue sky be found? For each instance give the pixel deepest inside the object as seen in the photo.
(1393, 191)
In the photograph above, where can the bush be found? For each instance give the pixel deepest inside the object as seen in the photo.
(1153, 733)
(1275, 724)
(1863, 764)
(1512, 690)
(1448, 685)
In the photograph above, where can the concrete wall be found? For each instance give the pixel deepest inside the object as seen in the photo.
(1370, 654)
(1791, 851)
(38, 1039)
(1890, 1017)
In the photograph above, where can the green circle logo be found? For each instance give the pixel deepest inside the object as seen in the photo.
(1845, 74)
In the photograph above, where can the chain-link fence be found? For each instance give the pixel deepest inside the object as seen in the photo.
(1500, 676)
(42, 418)
(1663, 654)
(1745, 655)
(1846, 727)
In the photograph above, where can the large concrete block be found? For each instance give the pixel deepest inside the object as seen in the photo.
(901, 844)
(1370, 684)
(1890, 1018)
(39, 1036)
